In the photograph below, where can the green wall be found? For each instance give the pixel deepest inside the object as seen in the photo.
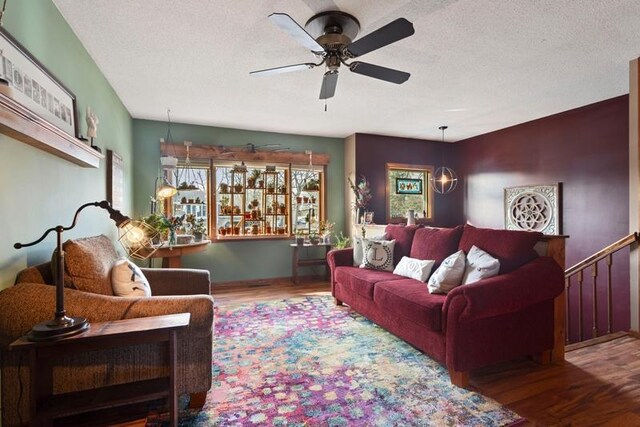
(39, 190)
(240, 260)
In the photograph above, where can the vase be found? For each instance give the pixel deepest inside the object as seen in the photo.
(172, 237)
(411, 217)
(358, 216)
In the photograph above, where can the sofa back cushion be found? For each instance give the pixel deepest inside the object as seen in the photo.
(435, 243)
(403, 235)
(511, 247)
(88, 263)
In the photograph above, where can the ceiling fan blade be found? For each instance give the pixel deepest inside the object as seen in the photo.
(287, 24)
(390, 33)
(378, 72)
(285, 69)
(329, 82)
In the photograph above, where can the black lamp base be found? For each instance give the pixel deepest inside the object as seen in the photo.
(56, 329)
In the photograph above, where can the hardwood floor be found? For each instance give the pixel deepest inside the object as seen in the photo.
(597, 385)
(265, 290)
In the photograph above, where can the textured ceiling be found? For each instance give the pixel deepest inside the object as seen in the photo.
(476, 65)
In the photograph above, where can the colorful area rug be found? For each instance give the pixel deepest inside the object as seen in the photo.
(306, 362)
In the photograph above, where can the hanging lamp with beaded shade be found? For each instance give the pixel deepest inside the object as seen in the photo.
(444, 179)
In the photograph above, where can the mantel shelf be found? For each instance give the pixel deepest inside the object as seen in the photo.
(22, 124)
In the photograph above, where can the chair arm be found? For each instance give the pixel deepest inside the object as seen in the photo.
(177, 281)
(27, 304)
(539, 280)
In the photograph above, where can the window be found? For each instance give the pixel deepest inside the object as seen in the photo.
(191, 201)
(243, 193)
(258, 200)
(408, 188)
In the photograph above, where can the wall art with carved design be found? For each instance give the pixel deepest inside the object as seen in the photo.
(533, 208)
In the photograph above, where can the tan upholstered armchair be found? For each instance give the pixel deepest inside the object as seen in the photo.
(31, 300)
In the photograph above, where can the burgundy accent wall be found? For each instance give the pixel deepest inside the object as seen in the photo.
(587, 150)
(373, 152)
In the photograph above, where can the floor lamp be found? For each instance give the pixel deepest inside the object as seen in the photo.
(134, 236)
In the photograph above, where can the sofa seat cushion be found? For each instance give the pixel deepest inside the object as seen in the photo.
(410, 299)
(511, 247)
(435, 243)
(361, 281)
(403, 235)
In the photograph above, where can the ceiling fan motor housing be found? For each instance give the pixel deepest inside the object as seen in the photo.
(333, 29)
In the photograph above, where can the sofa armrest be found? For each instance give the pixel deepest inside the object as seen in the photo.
(337, 258)
(177, 281)
(538, 280)
(340, 257)
(27, 304)
(503, 317)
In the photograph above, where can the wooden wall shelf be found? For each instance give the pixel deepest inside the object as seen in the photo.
(22, 124)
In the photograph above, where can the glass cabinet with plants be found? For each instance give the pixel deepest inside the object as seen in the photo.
(252, 201)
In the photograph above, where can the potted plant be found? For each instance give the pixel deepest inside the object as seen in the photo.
(342, 241)
(298, 199)
(254, 203)
(283, 189)
(253, 178)
(237, 188)
(282, 209)
(224, 188)
(314, 239)
(271, 188)
(198, 228)
(299, 237)
(312, 185)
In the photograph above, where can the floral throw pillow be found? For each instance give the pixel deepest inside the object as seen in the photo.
(377, 254)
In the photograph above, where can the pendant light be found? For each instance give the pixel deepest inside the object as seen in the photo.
(444, 180)
(187, 176)
(168, 163)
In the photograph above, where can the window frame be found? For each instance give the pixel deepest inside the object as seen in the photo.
(427, 192)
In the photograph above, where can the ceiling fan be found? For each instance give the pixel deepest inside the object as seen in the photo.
(329, 36)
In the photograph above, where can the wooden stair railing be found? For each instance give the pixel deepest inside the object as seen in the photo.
(579, 269)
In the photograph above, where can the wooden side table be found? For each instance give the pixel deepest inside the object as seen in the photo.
(172, 255)
(45, 406)
(304, 262)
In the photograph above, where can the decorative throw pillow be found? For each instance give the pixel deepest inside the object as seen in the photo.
(88, 262)
(413, 268)
(377, 254)
(358, 249)
(128, 280)
(480, 265)
(448, 275)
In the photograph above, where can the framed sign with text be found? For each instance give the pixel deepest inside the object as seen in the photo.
(34, 87)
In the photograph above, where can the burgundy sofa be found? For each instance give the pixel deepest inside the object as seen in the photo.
(519, 312)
